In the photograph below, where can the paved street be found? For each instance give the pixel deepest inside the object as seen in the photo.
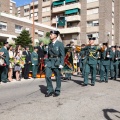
(25, 101)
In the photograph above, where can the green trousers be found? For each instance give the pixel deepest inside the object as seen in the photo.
(48, 73)
(90, 68)
(104, 72)
(114, 71)
(34, 70)
(4, 74)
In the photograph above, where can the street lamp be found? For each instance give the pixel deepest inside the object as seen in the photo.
(108, 34)
(33, 25)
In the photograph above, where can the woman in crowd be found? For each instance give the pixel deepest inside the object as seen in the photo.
(11, 56)
(17, 67)
(18, 49)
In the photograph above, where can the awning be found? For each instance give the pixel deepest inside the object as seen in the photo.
(71, 11)
(56, 3)
(69, 1)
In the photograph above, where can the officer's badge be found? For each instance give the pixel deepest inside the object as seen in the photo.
(57, 48)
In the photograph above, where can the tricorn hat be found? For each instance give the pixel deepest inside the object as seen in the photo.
(92, 38)
(54, 32)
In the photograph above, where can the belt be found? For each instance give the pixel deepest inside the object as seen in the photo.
(52, 56)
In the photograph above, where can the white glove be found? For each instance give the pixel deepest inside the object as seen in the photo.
(116, 58)
(32, 64)
(108, 56)
(60, 66)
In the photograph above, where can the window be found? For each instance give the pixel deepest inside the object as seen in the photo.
(92, 23)
(3, 26)
(92, 11)
(89, 1)
(26, 10)
(18, 28)
(45, 19)
(46, 9)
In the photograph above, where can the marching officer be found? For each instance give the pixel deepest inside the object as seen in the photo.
(54, 63)
(90, 61)
(34, 60)
(105, 63)
(114, 63)
(4, 74)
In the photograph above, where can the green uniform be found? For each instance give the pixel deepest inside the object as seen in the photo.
(82, 61)
(52, 63)
(114, 64)
(34, 60)
(4, 74)
(90, 63)
(105, 65)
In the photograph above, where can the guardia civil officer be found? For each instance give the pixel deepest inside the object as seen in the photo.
(90, 61)
(34, 60)
(4, 77)
(54, 63)
(106, 56)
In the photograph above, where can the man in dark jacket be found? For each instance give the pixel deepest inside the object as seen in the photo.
(27, 62)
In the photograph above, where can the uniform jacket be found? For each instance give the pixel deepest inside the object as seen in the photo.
(6, 55)
(34, 58)
(56, 55)
(28, 57)
(105, 59)
(91, 57)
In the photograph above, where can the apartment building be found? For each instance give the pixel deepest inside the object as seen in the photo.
(30, 10)
(8, 6)
(11, 26)
(84, 18)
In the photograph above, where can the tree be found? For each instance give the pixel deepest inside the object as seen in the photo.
(23, 39)
(47, 34)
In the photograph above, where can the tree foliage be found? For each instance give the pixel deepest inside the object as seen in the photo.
(23, 39)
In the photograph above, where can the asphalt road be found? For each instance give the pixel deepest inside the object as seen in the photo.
(25, 101)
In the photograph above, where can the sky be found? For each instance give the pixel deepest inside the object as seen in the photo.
(22, 2)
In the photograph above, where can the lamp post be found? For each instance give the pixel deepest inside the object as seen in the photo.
(108, 34)
(33, 25)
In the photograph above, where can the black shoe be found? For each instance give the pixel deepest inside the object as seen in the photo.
(56, 95)
(106, 81)
(115, 78)
(48, 94)
(4, 81)
(111, 78)
(92, 84)
(101, 81)
(84, 84)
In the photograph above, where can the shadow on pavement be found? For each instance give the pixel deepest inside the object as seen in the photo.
(43, 89)
(77, 81)
(107, 111)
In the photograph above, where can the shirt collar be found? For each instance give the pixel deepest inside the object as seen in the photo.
(5, 47)
(54, 41)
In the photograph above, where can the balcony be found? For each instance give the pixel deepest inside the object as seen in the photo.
(69, 30)
(93, 17)
(113, 20)
(44, 14)
(92, 29)
(93, 5)
(47, 3)
(35, 10)
(26, 13)
(66, 7)
(69, 18)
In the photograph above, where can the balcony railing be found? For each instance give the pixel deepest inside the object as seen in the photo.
(93, 29)
(66, 7)
(69, 30)
(92, 17)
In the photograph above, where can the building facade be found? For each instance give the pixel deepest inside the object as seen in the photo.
(84, 18)
(11, 26)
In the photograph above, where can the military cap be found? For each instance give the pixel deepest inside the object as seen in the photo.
(106, 44)
(93, 38)
(5, 42)
(55, 32)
